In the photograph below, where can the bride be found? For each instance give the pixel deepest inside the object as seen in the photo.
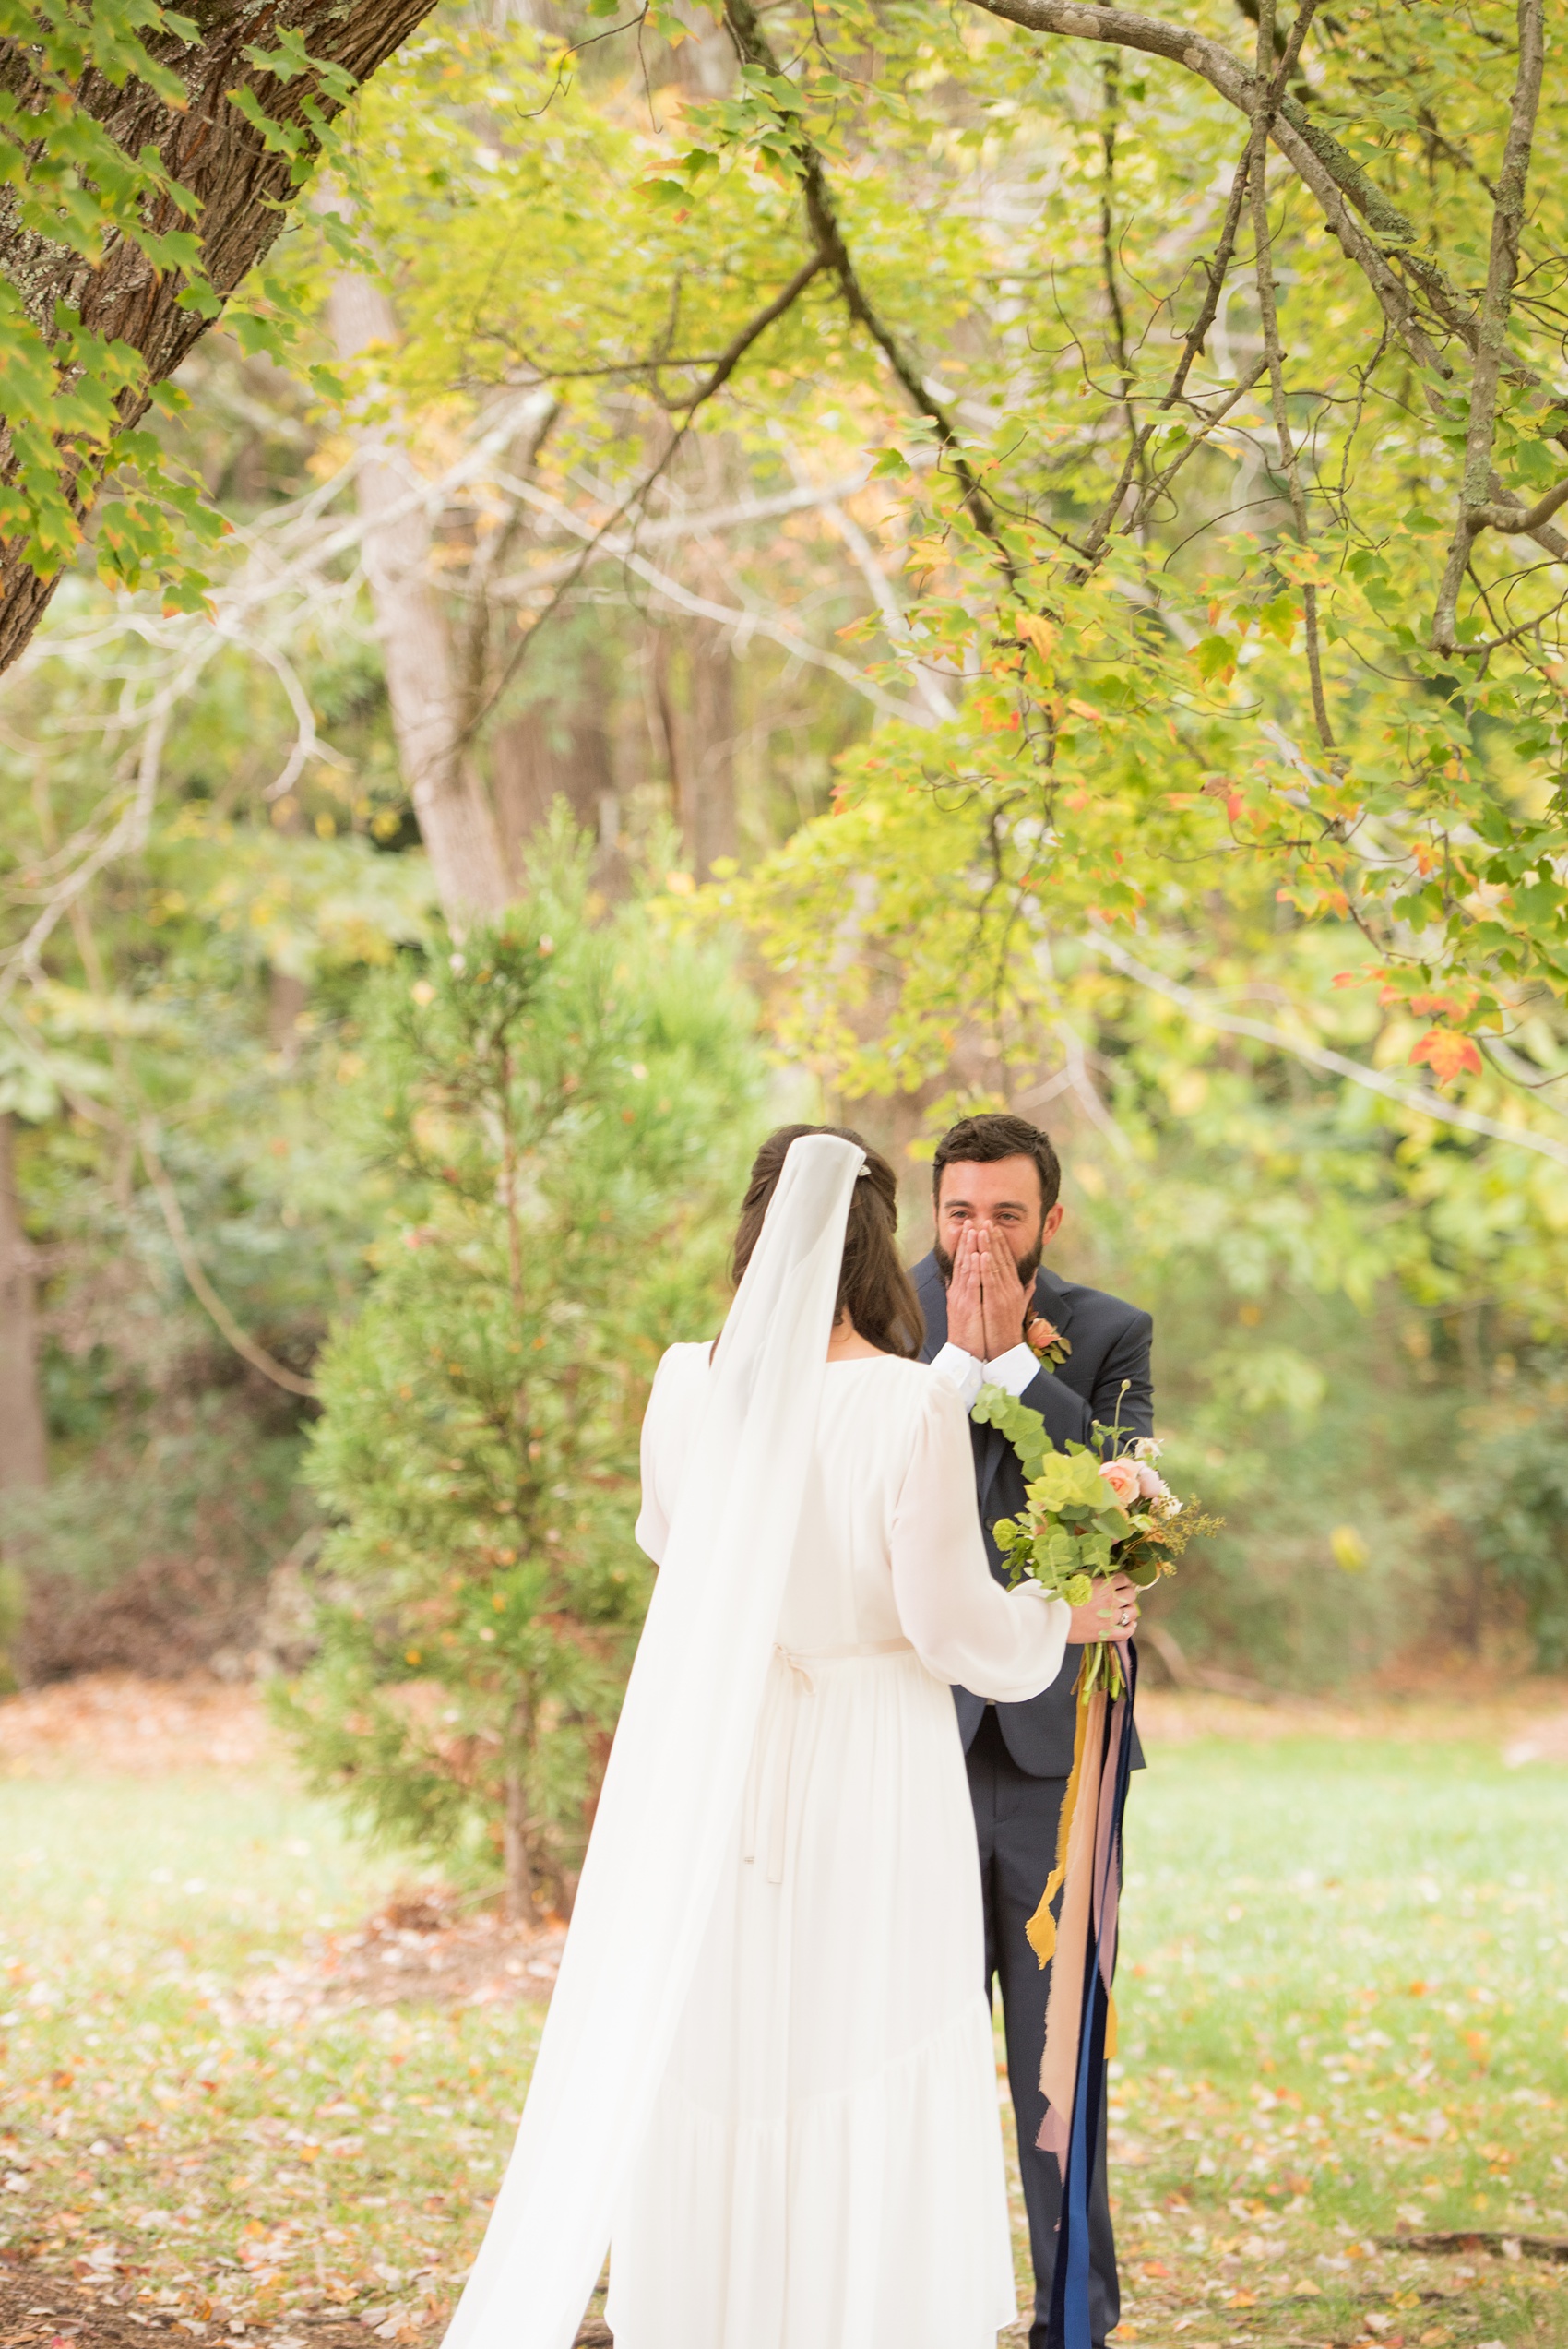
(768, 2079)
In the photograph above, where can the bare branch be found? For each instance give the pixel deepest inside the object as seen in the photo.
(1502, 268)
(191, 1266)
(879, 588)
(637, 497)
(1268, 314)
(1206, 1014)
(624, 550)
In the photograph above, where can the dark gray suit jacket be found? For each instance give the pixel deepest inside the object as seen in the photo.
(1110, 1343)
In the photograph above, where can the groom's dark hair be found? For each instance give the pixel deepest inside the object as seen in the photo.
(872, 1284)
(980, 1142)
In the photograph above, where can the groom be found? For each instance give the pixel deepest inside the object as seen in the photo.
(995, 1182)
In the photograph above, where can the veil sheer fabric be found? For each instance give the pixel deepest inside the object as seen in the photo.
(675, 1776)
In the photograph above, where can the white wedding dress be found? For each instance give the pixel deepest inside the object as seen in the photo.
(767, 2070)
(823, 2165)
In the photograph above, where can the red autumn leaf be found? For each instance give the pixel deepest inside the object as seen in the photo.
(1451, 1007)
(1447, 1054)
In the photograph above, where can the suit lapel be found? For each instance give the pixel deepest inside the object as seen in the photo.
(1053, 1298)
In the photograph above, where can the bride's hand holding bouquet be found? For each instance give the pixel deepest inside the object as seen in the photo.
(1095, 1531)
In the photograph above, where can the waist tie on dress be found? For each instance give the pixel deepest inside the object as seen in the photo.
(799, 1661)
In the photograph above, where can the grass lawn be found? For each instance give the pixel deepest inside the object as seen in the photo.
(1344, 2005)
(1344, 2008)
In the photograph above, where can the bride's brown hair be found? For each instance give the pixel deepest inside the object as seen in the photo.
(874, 1287)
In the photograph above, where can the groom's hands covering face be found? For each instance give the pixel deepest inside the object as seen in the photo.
(986, 1298)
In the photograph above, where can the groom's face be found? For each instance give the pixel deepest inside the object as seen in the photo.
(1003, 1195)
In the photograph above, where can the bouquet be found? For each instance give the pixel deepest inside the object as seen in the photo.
(1087, 1520)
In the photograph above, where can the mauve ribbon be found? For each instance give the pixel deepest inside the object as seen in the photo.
(1069, 2326)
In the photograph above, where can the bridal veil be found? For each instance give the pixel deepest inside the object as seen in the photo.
(675, 1776)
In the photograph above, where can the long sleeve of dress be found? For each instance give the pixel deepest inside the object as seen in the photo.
(1006, 1645)
(667, 1426)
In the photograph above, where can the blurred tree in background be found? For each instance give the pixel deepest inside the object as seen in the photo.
(569, 1110)
(1034, 522)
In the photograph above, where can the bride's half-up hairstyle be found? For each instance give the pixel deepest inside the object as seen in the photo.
(874, 1287)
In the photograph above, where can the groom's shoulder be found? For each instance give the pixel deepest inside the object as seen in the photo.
(1098, 1307)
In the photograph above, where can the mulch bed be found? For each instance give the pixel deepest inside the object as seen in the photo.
(42, 2311)
(1495, 2241)
(423, 1945)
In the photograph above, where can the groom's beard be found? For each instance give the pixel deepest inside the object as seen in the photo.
(1027, 1265)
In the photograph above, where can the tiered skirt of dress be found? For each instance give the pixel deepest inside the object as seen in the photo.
(824, 2170)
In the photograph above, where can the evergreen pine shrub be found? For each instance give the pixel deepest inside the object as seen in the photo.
(568, 1108)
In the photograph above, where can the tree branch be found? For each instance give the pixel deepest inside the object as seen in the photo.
(753, 46)
(190, 1265)
(1527, 521)
(715, 381)
(702, 607)
(1268, 314)
(1502, 268)
(1317, 158)
(1211, 422)
(1337, 1064)
(725, 366)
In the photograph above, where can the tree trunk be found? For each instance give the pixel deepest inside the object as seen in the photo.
(286, 999)
(708, 799)
(517, 1860)
(454, 814)
(560, 749)
(23, 1455)
(696, 689)
(209, 147)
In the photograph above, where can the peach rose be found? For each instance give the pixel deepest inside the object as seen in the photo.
(1122, 1475)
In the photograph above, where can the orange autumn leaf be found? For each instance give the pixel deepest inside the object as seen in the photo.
(1447, 1054)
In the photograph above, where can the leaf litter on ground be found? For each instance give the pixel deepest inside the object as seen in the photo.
(257, 2089)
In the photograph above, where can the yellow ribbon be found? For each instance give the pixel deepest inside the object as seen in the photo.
(1041, 1926)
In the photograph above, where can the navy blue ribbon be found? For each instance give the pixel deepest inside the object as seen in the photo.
(1069, 2326)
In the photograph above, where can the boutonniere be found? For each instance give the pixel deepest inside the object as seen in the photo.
(1045, 1342)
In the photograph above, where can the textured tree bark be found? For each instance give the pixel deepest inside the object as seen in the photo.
(707, 782)
(23, 1455)
(212, 151)
(694, 686)
(455, 816)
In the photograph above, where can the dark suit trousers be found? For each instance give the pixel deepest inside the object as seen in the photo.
(1016, 1819)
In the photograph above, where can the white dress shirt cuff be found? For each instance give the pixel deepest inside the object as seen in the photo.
(1014, 1369)
(966, 1375)
(961, 1372)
